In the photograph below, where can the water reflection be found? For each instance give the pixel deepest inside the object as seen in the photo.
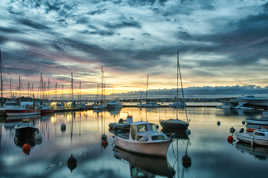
(258, 152)
(210, 154)
(144, 166)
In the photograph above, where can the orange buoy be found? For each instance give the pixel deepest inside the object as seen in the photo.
(26, 148)
(230, 139)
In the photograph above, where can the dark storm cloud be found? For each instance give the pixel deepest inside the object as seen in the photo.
(33, 24)
(110, 33)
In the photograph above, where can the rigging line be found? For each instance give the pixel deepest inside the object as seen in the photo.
(182, 91)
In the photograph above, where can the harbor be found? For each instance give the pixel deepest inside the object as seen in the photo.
(82, 139)
(133, 88)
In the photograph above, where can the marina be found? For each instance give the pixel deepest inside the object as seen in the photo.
(133, 88)
(82, 139)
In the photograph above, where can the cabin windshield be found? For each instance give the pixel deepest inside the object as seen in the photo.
(146, 128)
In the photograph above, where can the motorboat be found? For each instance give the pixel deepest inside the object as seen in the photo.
(149, 104)
(99, 107)
(257, 121)
(246, 103)
(145, 166)
(143, 138)
(46, 109)
(114, 104)
(13, 108)
(258, 137)
(122, 125)
(178, 104)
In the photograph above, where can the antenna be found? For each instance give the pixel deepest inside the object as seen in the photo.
(1, 75)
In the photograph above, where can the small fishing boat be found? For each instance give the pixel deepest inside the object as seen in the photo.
(122, 125)
(143, 138)
(258, 137)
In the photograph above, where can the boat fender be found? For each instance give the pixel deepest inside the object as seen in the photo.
(218, 123)
(241, 130)
(243, 122)
(230, 139)
(26, 148)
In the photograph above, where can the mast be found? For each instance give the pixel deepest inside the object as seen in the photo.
(41, 88)
(102, 85)
(56, 90)
(178, 63)
(179, 70)
(147, 86)
(19, 85)
(1, 75)
(80, 88)
(10, 88)
(48, 88)
(72, 86)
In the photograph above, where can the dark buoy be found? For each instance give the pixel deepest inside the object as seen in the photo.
(72, 163)
(241, 130)
(230, 139)
(232, 130)
(186, 161)
(104, 141)
(243, 122)
(188, 132)
(26, 148)
(218, 123)
(63, 127)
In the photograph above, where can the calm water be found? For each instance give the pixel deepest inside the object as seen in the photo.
(208, 149)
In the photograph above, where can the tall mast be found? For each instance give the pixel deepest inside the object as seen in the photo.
(41, 89)
(48, 88)
(102, 85)
(28, 87)
(1, 75)
(80, 88)
(72, 86)
(147, 87)
(179, 70)
(19, 85)
(56, 91)
(178, 63)
(10, 88)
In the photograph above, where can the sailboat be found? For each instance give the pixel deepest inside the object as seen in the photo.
(173, 125)
(148, 104)
(178, 103)
(101, 105)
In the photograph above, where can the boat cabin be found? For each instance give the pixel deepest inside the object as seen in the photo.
(145, 132)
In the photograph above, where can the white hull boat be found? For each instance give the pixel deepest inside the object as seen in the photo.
(258, 137)
(178, 104)
(149, 105)
(143, 138)
(253, 121)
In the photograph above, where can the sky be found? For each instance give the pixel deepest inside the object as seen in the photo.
(221, 42)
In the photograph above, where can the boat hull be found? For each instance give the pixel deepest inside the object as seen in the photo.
(154, 148)
(174, 125)
(247, 138)
(18, 113)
